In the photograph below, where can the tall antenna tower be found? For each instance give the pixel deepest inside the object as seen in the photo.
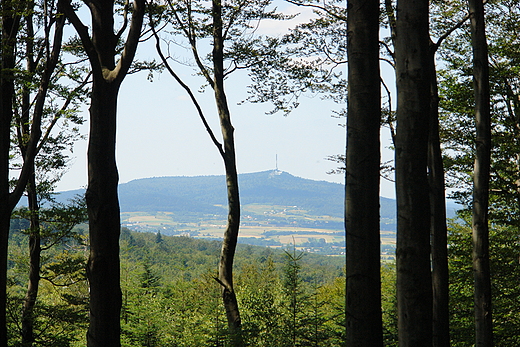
(275, 172)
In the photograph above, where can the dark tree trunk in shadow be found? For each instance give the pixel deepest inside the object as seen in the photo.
(363, 285)
(414, 285)
(10, 26)
(103, 270)
(104, 221)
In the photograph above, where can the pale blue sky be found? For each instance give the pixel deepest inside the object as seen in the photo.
(160, 134)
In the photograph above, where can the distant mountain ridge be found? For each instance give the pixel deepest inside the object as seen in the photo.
(207, 194)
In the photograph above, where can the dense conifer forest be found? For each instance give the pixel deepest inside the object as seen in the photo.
(171, 297)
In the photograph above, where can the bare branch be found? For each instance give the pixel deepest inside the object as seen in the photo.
(190, 34)
(125, 20)
(82, 31)
(389, 120)
(187, 89)
(321, 8)
(132, 40)
(59, 284)
(437, 44)
(388, 50)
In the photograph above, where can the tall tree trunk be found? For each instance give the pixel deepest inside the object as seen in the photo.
(439, 230)
(227, 151)
(414, 285)
(104, 221)
(10, 26)
(101, 196)
(102, 199)
(363, 286)
(231, 233)
(27, 316)
(481, 272)
(5, 212)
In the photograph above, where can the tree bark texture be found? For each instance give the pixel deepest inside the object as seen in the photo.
(103, 270)
(414, 284)
(363, 286)
(439, 230)
(5, 212)
(229, 242)
(481, 271)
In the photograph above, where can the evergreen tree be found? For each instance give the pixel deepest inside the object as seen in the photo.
(295, 297)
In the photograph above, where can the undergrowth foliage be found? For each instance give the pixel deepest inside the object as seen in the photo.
(288, 298)
(170, 296)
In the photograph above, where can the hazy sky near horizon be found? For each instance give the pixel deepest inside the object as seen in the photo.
(160, 134)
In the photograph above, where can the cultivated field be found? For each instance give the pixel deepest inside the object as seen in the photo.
(274, 226)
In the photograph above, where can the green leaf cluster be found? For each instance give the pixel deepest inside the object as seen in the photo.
(504, 256)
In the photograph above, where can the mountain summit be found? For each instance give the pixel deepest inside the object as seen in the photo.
(207, 194)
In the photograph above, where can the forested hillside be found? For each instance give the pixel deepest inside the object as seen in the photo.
(207, 194)
(202, 195)
(277, 209)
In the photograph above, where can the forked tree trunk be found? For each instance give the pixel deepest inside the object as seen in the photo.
(101, 196)
(102, 199)
(439, 230)
(414, 285)
(481, 272)
(363, 285)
